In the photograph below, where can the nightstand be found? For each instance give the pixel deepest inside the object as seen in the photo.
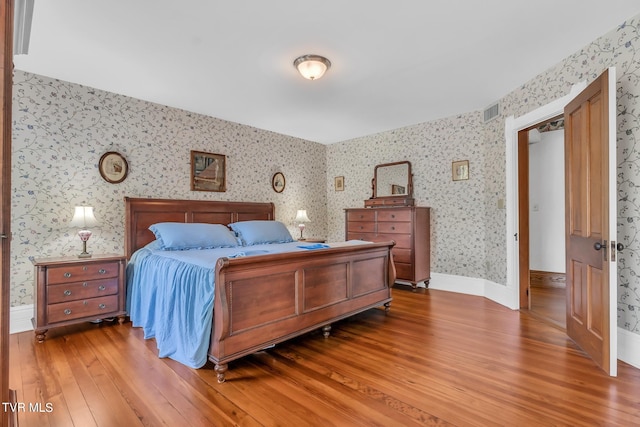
(71, 290)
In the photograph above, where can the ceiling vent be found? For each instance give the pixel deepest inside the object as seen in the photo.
(491, 112)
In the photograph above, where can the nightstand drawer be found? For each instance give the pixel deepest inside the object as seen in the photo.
(82, 308)
(81, 290)
(81, 272)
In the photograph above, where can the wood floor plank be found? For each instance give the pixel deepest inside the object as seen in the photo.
(437, 358)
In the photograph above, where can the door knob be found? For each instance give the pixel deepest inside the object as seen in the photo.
(597, 246)
(619, 247)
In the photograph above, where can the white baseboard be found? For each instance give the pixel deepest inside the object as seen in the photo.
(629, 347)
(20, 319)
(460, 284)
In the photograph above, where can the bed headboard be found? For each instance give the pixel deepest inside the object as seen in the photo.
(141, 213)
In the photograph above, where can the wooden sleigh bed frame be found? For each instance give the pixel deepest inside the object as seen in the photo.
(264, 300)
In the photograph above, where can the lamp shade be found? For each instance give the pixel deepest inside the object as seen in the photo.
(301, 216)
(312, 67)
(83, 217)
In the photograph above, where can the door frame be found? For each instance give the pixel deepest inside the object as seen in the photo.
(514, 249)
(6, 58)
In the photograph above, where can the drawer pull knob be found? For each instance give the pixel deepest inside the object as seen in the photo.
(67, 311)
(101, 306)
(393, 228)
(84, 284)
(393, 216)
(67, 274)
(67, 292)
(101, 288)
(102, 271)
(85, 268)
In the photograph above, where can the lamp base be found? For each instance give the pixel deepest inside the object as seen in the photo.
(84, 253)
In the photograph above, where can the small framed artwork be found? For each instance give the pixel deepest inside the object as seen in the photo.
(208, 172)
(397, 189)
(113, 167)
(278, 182)
(339, 183)
(460, 170)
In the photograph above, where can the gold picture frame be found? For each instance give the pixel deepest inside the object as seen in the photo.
(460, 170)
(339, 183)
(208, 172)
(113, 167)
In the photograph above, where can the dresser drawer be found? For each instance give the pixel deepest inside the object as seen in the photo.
(97, 307)
(369, 237)
(394, 215)
(404, 271)
(361, 227)
(403, 241)
(401, 255)
(81, 290)
(394, 227)
(81, 272)
(361, 215)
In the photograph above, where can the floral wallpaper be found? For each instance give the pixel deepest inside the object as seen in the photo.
(467, 225)
(457, 225)
(60, 131)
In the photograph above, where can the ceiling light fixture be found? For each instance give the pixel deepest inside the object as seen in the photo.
(312, 67)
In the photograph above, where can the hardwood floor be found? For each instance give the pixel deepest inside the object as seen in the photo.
(437, 358)
(548, 297)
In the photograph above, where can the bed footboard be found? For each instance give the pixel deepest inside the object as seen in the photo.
(263, 300)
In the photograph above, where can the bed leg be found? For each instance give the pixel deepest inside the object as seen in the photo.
(220, 370)
(387, 307)
(325, 330)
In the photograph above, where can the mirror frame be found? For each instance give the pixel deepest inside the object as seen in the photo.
(404, 199)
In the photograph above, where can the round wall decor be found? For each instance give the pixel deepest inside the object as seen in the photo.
(278, 182)
(113, 167)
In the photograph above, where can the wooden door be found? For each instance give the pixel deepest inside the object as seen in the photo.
(591, 221)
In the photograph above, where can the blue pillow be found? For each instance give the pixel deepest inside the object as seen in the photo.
(256, 232)
(177, 236)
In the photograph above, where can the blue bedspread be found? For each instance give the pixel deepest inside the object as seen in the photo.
(170, 295)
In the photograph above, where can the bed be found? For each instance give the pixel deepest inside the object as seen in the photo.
(260, 296)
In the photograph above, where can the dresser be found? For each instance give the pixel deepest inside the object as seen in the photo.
(408, 226)
(71, 290)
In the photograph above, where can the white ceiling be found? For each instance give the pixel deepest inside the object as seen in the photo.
(395, 63)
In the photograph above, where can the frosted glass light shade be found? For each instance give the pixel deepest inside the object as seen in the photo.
(312, 67)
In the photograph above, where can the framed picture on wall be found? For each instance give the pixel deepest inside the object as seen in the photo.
(113, 167)
(460, 170)
(339, 183)
(278, 182)
(208, 172)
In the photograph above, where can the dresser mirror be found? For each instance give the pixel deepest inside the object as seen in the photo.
(392, 185)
